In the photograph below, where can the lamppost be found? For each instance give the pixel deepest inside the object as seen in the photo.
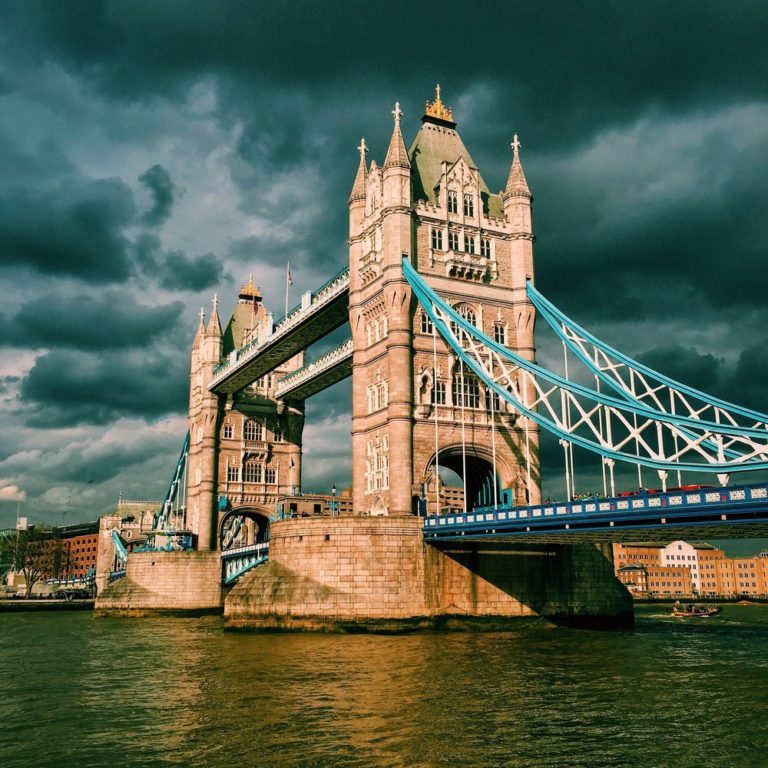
(333, 499)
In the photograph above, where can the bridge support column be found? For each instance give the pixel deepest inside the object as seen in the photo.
(377, 574)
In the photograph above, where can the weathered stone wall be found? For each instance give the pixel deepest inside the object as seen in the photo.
(571, 583)
(165, 581)
(377, 573)
(328, 571)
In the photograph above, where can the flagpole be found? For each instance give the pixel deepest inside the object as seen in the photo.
(287, 283)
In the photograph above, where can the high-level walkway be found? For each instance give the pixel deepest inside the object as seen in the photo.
(319, 313)
(332, 367)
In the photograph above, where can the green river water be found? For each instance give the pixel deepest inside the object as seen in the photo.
(80, 691)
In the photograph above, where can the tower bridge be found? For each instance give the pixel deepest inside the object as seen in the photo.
(441, 303)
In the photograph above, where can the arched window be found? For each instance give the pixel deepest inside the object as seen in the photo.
(468, 314)
(426, 323)
(437, 239)
(253, 430)
(499, 333)
(453, 201)
(228, 432)
(469, 205)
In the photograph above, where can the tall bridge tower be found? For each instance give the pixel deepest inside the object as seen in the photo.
(415, 407)
(245, 446)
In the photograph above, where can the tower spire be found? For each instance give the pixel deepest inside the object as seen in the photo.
(200, 329)
(397, 154)
(516, 182)
(358, 188)
(214, 324)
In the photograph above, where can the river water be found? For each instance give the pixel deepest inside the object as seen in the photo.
(79, 691)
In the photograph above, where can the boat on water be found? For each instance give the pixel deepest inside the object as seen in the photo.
(695, 611)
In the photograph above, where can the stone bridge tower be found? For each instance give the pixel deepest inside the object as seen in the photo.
(245, 449)
(415, 409)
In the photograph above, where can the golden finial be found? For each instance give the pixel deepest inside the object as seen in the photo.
(249, 289)
(437, 108)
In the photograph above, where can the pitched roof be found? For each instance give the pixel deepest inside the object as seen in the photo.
(435, 143)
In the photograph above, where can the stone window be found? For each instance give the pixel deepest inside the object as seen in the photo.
(252, 472)
(378, 396)
(469, 205)
(228, 432)
(469, 244)
(453, 241)
(453, 201)
(469, 315)
(278, 435)
(253, 430)
(270, 476)
(377, 464)
(233, 474)
(470, 397)
(499, 333)
(493, 396)
(426, 323)
(437, 395)
(437, 239)
(485, 247)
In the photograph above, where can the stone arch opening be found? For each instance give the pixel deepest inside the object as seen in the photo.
(242, 526)
(480, 477)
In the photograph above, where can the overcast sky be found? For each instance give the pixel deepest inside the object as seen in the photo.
(154, 152)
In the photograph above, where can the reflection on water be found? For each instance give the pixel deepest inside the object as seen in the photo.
(78, 691)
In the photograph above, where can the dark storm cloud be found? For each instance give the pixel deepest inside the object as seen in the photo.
(180, 272)
(174, 270)
(73, 228)
(65, 388)
(686, 365)
(110, 321)
(614, 52)
(158, 181)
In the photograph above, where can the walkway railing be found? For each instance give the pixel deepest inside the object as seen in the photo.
(299, 314)
(314, 369)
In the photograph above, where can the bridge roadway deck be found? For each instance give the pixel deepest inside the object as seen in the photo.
(719, 513)
(304, 325)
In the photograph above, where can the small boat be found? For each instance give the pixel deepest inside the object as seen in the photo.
(695, 611)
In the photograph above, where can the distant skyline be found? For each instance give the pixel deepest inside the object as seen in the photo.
(153, 156)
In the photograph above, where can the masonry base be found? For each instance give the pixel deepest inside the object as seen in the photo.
(357, 574)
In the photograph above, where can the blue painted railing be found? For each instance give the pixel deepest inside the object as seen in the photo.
(601, 512)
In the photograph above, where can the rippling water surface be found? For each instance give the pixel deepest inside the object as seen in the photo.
(79, 691)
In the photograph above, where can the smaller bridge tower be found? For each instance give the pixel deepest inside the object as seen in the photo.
(245, 447)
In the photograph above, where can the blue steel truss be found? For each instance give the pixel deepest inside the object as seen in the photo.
(174, 504)
(617, 428)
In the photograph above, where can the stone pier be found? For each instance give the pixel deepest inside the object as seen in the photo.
(377, 574)
(165, 582)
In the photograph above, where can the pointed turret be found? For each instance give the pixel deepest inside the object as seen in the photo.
(516, 183)
(214, 324)
(397, 154)
(396, 172)
(517, 199)
(358, 188)
(200, 333)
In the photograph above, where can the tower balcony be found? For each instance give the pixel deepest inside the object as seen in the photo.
(255, 450)
(467, 266)
(370, 266)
